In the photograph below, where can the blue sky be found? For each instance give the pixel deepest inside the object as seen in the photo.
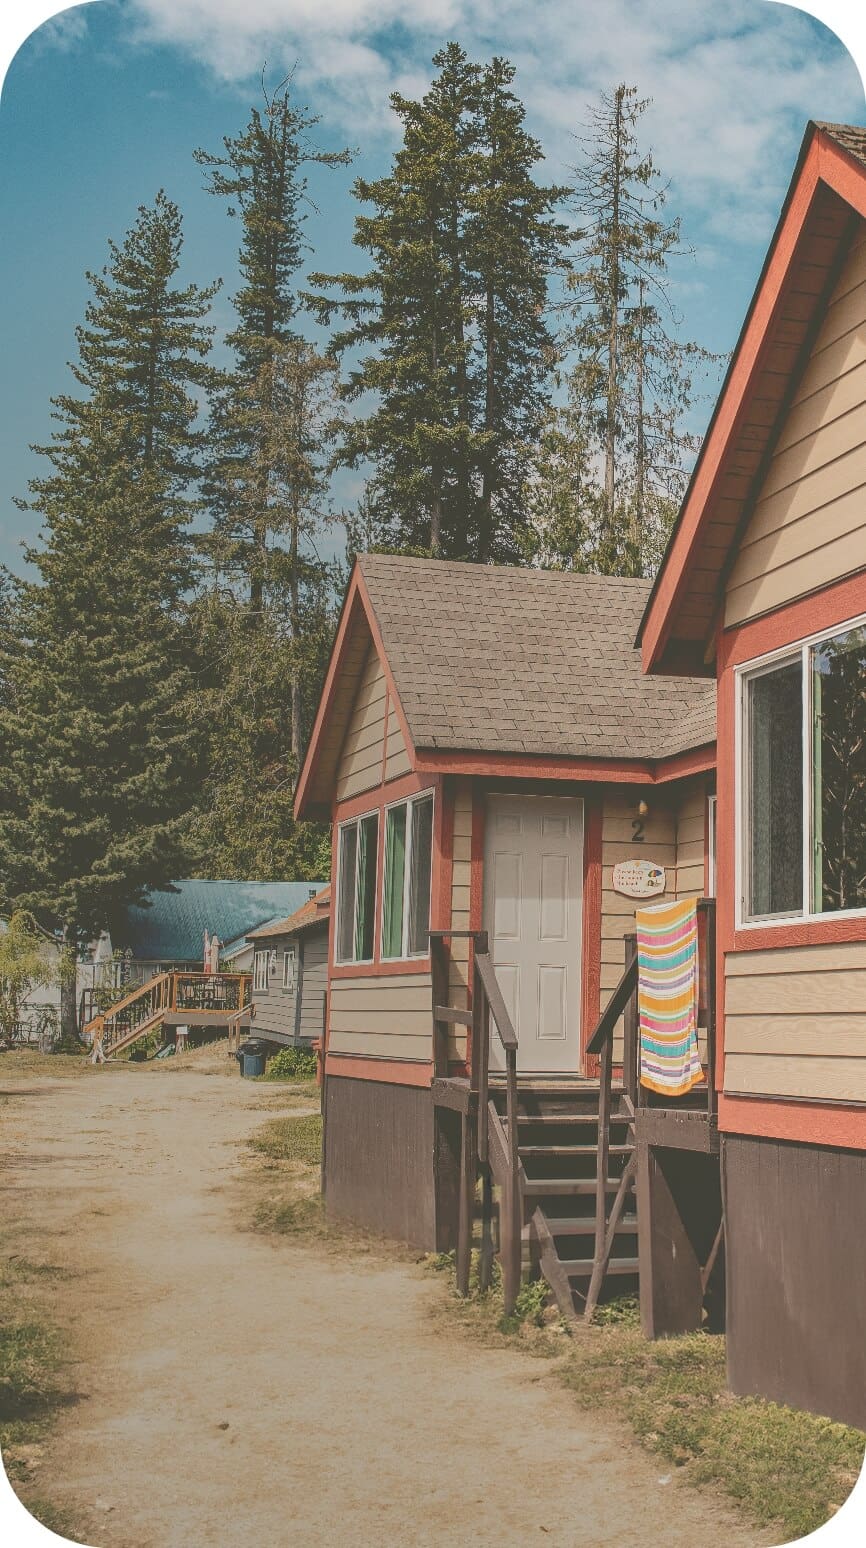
(104, 105)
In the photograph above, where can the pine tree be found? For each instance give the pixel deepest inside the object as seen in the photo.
(631, 384)
(260, 175)
(266, 614)
(96, 726)
(449, 319)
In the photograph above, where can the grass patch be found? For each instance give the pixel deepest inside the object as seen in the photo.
(779, 1464)
(290, 1139)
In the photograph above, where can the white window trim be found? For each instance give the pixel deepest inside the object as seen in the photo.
(408, 802)
(712, 844)
(354, 822)
(743, 674)
(290, 955)
(261, 974)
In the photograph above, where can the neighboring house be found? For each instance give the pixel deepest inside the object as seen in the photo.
(290, 974)
(487, 750)
(167, 929)
(763, 588)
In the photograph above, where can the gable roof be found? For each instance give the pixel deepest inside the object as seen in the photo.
(495, 660)
(170, 926)
(316, 911)
(825, 203)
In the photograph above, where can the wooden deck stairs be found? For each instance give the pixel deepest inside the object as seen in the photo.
(220, 1000)
(558, 1150)
(557, 1158)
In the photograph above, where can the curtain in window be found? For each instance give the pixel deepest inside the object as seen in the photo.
(346, 915)
(395, 872)
(365, 900)
(839, 772)
(419, 880)
(776, 791)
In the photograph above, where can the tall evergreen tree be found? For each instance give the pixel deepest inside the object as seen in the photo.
(632, 381)
(96, 724)
(267, 611)
(449, 320)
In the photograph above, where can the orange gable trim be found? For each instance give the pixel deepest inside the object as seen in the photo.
(823, 165)
(506, 765)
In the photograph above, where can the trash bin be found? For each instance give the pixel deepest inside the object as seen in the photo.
(251, 1057)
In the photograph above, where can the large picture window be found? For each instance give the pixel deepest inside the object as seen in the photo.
(356, 888)
(803, 811)
(406, 881)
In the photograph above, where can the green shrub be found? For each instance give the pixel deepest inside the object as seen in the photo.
(292, 1064)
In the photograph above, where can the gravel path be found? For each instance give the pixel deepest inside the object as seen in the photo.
(240, 1390)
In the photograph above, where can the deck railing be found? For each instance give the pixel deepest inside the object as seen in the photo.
(187, 993)
(488, 1147)
(623, 1003)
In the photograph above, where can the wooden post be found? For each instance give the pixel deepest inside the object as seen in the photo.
(485, 1266)
(512, 1255)
(710, 951)
(631, 1052)
(467, 1198)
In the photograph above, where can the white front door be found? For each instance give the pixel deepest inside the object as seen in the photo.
(533, 887)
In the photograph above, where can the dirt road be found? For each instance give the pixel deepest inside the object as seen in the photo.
(242, 1390)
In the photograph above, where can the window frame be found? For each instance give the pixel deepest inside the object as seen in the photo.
(799, 650)
(265, 958)
(290, 954)
(712, 844)
(355, 822)
(409, 801)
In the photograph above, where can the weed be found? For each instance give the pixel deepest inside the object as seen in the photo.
(290, 1139)
(292, 1064)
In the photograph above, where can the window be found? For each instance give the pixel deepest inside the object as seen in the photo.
(260, 970)
(803, 809)
(356, 888)
(406, 881)
(290, 964)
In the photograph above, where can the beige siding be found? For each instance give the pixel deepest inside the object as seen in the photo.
(617, 912)
(808, 528)
(461, 872)
(397, 761)
(795, 1022)
(360, 766)
(387, 1017)
(691, 815)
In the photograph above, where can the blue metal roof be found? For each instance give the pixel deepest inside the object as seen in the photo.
(170, 926)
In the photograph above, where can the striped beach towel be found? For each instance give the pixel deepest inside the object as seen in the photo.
(667, 943)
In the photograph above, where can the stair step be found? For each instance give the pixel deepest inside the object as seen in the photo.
(570, 1117)
(573, 1150)
(585, 1226)
(581, 1268)
(540, 1187)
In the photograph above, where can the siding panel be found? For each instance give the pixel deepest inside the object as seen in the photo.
(360, 766)
(795, 1022)
(809, 527)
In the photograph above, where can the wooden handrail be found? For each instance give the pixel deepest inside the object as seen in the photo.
(613, 1010)
(488, 1006)
(134, 994)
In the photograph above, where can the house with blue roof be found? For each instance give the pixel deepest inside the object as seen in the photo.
(167, 929)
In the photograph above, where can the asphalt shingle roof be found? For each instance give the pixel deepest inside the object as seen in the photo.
(851, 137)
(170, 926)
(499, 659)
(315, 911)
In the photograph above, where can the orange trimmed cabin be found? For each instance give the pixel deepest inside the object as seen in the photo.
(489, 752)
(763, 589)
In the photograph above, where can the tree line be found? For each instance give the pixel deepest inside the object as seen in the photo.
(506, 373)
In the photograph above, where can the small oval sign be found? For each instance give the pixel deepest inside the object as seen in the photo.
(639, 878)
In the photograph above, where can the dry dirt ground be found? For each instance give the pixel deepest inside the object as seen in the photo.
(242, 1390)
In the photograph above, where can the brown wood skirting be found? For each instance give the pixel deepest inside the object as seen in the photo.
(379, 1158)
(795, 1219)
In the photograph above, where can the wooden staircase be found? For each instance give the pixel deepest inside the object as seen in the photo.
(558, 1149)
(173, 998)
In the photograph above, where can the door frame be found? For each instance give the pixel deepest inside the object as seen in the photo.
(589, 964)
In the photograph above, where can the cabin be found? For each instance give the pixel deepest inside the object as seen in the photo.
(763, 591)
(290, 974)
(500, 777)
